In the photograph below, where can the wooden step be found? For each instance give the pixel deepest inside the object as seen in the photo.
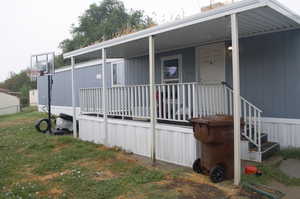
(263, 140)
(268, 149)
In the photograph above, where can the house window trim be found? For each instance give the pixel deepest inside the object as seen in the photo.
(165, 58)
(112, 74)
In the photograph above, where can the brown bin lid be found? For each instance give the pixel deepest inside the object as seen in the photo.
(216, 120)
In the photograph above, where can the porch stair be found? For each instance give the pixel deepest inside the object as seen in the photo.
(267, 149)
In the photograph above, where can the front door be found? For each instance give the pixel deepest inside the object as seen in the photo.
(210, 63)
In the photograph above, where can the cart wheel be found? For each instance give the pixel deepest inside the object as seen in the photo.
(217, 174)
(197, 166)
(42, 125)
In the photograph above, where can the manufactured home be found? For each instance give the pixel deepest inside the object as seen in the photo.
(240, 59)
(89, 74)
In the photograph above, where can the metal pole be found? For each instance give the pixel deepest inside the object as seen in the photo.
(74, 99)
(104, 104)
(152, 96)
(236, 98)
(49, 96)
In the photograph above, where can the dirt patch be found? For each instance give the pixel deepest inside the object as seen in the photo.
(104, 175)
(28, 176)
(226, 186)
(15, 123)
(188, 189)
(52, 193)
(136, 196)
(90, 163)
(51, 176)
(59, 147)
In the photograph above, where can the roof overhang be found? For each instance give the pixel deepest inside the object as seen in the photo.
(255, 17)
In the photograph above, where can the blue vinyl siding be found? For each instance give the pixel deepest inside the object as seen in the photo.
(270, 73)
(137, 69)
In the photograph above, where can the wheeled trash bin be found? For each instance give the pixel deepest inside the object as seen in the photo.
(217, 146)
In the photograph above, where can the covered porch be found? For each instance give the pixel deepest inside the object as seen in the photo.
(158, 101)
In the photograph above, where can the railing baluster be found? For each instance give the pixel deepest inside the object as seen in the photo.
(173, 96)
(140, 100)
(168, 101)
(219, 100)
(178, 102)
(96, 101)
(195, 108)
(125, 101)
(135, 101)
(255, 127)
(116, 101)
(206, 96)
(183, 102)
(128, 102)
(159, 102)
(143, 100)
(245, 117)
(201, 103)
(259, 131)
(189, 101)
(122, 101)
(132, 101)
(164, 102)
(212, 100)
(147, 101)
(226, 100)
(250, 122)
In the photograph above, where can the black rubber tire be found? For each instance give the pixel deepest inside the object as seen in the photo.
(60, 132)
(217, 174)
(66, 117)
(197, 166)
(38, 124)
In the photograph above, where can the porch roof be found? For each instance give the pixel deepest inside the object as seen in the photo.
(255, 17)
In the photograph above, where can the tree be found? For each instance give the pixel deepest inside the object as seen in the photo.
(19, 83)
(105, 21)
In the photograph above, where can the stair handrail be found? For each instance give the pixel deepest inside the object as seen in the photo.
(251, 115)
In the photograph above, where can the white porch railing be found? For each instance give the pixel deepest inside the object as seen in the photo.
(129, 101)
(175, 102)
(183, 101)
(90, 100)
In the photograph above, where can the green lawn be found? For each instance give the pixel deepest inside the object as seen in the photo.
(35, 165)
(271, 171)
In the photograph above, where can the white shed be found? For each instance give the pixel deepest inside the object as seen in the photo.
(9, 103)
(33, 97)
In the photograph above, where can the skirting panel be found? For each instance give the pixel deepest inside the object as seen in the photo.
(173, 144)
(284, 131)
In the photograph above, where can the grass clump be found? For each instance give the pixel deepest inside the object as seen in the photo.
(290, 153)
(271, 171)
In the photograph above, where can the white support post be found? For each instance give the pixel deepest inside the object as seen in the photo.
(74, 99)
(236, 98)
(152, 96)
(104, 104)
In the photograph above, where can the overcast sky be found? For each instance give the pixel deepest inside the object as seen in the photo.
(35, 26)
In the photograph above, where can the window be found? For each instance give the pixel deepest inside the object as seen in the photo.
(117, 74)
(171, 68)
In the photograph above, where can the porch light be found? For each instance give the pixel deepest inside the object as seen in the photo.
(230, 48)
